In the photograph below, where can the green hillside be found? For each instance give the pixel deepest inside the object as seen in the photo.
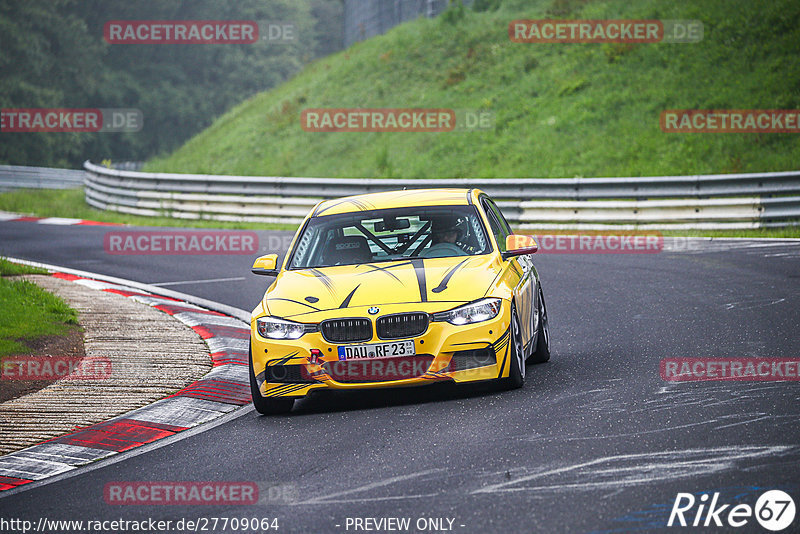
(562, 109)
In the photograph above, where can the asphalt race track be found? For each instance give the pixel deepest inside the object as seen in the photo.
(596, 441)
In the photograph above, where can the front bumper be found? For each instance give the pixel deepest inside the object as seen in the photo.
(445, 352)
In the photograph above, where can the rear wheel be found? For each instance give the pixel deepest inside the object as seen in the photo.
(516, 376)
(542, 352)
(266, 406)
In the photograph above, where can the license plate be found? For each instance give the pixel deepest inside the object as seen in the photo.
(376, 351)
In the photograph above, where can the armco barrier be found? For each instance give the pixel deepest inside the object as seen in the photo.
(16, 177)
(677, 202)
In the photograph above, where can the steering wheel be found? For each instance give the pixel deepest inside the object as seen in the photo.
(463, 241)
(443, 250)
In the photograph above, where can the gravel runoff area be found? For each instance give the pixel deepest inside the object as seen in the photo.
(151, 355)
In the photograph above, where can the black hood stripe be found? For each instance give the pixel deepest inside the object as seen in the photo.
(385, 269)
(419, 270)
(322, 277)
(443, 284)
(294, 302)
(361, 205)
(452, 302)
(346, 302)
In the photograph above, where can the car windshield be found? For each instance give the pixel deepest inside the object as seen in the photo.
(392, 234)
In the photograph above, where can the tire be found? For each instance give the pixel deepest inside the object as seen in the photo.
(542, 352)
(516, 376)
(263, 405)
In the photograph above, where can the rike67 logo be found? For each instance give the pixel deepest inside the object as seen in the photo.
(774, 510)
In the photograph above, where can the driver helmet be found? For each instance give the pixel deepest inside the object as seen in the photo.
(443, 224)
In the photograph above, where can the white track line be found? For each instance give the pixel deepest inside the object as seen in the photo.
(206, 281)
(203, 303)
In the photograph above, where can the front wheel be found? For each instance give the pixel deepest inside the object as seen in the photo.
(542, 352)
(266, 406)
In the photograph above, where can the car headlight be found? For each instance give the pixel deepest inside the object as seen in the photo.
(474, 312)
(274, 328)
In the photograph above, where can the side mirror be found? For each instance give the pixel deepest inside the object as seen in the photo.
(519, 245)
(266, 265)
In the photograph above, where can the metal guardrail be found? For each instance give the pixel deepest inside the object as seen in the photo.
(690, 202)
(16, 177)
(127, 165)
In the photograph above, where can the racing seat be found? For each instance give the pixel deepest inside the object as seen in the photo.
(348, 249)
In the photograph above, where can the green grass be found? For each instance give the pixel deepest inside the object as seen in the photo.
(8, 268)
(562, 110)
(29, 312)
(70, 203)
(763, 233)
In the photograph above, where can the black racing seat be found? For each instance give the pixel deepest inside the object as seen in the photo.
(347, 250)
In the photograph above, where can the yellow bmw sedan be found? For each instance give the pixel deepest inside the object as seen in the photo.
(396, 289)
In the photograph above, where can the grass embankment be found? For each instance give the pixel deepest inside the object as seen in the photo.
(562, 110)
(28, 311)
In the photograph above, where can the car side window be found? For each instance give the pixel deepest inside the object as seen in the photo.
(499, 232)
(500, 217)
